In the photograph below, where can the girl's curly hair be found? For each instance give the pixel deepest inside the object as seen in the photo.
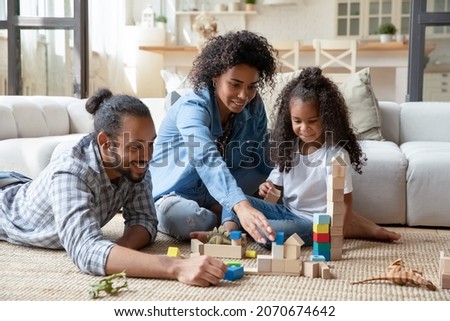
(312, 86)
(233, 48)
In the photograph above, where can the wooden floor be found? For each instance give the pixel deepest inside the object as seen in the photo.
(442, 231)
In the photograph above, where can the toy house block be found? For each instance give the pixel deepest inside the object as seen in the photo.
(264, 263)
(311, 269)
(277, 251)
(173, 252)
(321, 237)
(294, 239)
(223, 250)
(279, 238)
(292, 251)
(197, 246)
(278, 265)
(234, 273)
(335, 195)
(334, 208)
(292, 266)
(321, 218)
(321, 228)
(251, 254)
(273, 195)
(325, 272)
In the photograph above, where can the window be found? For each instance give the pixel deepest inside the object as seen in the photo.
(43, 47)
(361, 18)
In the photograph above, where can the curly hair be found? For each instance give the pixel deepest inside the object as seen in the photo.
(312, 86)
(223, 52)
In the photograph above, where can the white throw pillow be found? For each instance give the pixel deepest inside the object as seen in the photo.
(176, 86)
(362, 105)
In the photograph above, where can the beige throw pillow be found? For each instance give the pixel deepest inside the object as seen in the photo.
(363, 105)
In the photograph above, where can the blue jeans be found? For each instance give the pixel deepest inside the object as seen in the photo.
(280, 218)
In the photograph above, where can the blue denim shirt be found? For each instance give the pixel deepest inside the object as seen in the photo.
(186, 159)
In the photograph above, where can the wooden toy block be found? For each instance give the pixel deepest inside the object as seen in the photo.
(234, 273)
(325, 253)
(279, 238)
(250, 254)
(237, 242)
(335, 208)
(273, 196)
(335, 254)
(444, 263)
(321, 228)
(311, 269)
(444, 280)
(292, 266)
(337, 242)
(317, 258)
(337, 182)
(320, 247)
(233, 263)
(277, 251)
(197, 246)
(278, 265)
(338, 219)
(321, 237)
(321, 218)
(336, 231)
(335, 195)
(325, 272)
(235, 235)
(173, 252)
(292, 251)
(223, 250)
(264, 263)
(294, 239)
(338, 167)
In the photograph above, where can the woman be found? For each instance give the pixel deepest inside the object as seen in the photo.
(211, 147)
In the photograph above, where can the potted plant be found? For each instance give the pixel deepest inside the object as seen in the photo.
(161, 21)
(387, 31)
(250, 5)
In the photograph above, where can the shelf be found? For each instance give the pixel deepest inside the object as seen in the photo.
(219, 13)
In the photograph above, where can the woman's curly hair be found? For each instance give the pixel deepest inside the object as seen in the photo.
(312, 86)
(233, 48)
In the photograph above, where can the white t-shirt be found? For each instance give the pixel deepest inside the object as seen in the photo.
(305, 186)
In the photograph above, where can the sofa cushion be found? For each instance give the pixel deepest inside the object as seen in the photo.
(427, 183)
(425, 121)
(379, 193)
(363, 105)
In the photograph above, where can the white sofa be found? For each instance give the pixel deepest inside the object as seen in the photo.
(406, 180)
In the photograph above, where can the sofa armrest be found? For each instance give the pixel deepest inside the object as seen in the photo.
(390, 120)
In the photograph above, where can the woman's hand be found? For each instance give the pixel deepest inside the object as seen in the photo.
(254, 222)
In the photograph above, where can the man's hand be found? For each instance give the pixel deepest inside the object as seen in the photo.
(254, 222)
(200, 270)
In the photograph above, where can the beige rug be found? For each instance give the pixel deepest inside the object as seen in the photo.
(37, 274)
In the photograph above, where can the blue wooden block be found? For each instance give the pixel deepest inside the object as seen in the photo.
(325, 254)
(234, 273)
(235, 235)
(279, 238)
(321, 218)
(316, 258)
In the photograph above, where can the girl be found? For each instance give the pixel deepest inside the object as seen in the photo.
(312, 126)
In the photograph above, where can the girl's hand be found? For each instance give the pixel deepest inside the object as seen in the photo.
(264, 188)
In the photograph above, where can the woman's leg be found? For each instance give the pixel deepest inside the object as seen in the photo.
(178, 216)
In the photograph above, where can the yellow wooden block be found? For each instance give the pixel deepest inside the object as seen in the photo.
(321, 228)
(173, 251)
(250, 254)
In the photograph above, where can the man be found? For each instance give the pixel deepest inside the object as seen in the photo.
(82, 190)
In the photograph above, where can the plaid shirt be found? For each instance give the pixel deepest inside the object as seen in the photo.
(69, 203)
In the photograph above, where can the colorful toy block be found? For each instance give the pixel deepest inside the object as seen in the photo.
(234, 273)
(173, 252)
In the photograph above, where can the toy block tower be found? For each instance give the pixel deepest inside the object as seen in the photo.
(321, 235)
(336, 207)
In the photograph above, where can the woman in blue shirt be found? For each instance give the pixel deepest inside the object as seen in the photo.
(211, 146)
